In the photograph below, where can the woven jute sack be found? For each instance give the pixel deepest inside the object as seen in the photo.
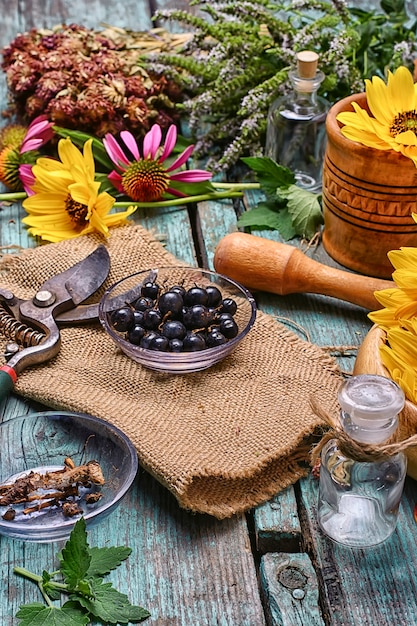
(222, 440)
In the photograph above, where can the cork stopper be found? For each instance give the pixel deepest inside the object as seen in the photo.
(307, 62)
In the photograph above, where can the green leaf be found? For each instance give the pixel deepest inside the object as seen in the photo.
(269, 174)
(37, 614)
(263, 218)
(304, 208)
(75, 556)
(192, 189)
(109, 605)
(103, 560)
(79, 138)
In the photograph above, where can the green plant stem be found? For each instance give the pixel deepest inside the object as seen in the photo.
(21, 571)
(180, 201)
(12, 196)
(230, 190)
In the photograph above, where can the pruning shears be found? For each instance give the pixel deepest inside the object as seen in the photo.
(33, 325)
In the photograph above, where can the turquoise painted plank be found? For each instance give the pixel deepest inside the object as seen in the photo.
(132, 14)
(290, 589)
(276, 523)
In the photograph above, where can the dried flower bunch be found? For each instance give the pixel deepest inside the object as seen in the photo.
(90, 80)
(238, 60)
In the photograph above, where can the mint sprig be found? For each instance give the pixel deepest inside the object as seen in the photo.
(80, 577)
(290, 210)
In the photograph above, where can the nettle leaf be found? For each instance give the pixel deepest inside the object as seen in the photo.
(111, 606)
(304, 208)
(75, 556)
(103, 560)
(38, 614)
(270, 174)
(262, 217)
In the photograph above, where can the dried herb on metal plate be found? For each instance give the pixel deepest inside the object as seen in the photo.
(80, 577)
(37, 490)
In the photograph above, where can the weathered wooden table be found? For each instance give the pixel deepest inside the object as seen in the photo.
(271, 566)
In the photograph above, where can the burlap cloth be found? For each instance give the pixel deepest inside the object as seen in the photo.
(222, 440)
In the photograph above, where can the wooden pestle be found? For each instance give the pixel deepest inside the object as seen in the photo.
(265, 265)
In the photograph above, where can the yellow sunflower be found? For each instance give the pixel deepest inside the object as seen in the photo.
(66, 202)
(393, 124)
(398, 319)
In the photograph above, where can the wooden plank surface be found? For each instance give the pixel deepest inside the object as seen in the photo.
(191, 569)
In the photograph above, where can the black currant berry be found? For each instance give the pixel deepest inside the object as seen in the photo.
(214, 296)
(193, 342)
(228, 328)
(122, 319)
(170, 302)
(143, 303)
(136, 334)
(159, 343)
(196, 316)
(151, 319)
(150, 290)
(196, 295)
(146, 340)
(215, 338)
(174, 329)
(228, 305)
(175, 345)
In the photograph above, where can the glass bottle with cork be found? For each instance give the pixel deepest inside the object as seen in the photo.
(296, 131)
(361, 487)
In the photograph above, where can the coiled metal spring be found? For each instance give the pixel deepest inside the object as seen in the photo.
(17, 331)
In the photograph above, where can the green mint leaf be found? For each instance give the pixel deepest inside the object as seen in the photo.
(103, 560)
(264, 218)
(304, 208)
(37, 614)
(75, 556)
(109, 605)
(269, 174)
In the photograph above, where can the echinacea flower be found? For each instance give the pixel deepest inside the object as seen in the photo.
(150, 176)
(21, 150)
(66, 201)
(393, 106)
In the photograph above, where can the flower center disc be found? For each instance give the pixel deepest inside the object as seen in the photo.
(403, 122)
(76, 211)
(145, 181)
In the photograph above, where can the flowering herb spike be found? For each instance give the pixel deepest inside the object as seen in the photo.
(238, 60)
(81, 578)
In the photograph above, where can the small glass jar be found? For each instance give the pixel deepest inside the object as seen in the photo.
(296, 131)
(359, 501)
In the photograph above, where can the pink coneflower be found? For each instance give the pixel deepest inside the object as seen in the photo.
(19, 154)
(146, 178)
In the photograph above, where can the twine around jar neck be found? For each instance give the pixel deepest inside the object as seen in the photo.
(350, 448)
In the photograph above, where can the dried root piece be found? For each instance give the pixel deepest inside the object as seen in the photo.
(52, 488)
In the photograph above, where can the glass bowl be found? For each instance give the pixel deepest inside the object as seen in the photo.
(41, 443)
(127, 292)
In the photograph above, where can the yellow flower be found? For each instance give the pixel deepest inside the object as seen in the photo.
(398, 319)
(66, 201)
(393, 106)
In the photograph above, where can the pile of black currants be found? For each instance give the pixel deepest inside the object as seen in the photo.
(177, 319)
